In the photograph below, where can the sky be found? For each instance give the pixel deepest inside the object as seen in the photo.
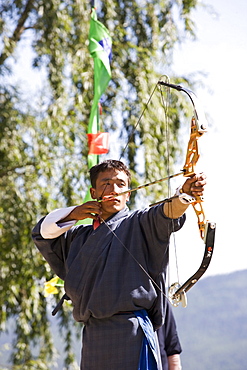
(220, 52)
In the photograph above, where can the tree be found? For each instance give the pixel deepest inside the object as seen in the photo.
(43, 143)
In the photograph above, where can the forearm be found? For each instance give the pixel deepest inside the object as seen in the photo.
(177, 205)
(174, 362)
(175, 208)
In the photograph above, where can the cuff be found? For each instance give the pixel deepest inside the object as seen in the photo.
(50, 228)
(183, 197)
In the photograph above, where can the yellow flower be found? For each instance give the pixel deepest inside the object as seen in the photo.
(50, 286)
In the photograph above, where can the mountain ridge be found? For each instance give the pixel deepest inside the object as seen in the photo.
(213, 328)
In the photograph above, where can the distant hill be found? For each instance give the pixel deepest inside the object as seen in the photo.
(212, 329)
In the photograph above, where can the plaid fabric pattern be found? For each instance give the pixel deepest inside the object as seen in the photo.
(113, 343)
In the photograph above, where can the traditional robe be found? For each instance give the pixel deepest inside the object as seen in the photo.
(105, 282)
(168, 338)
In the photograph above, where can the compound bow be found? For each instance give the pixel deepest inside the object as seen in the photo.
(177, 293)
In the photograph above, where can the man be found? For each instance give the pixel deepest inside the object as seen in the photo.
(114, 270)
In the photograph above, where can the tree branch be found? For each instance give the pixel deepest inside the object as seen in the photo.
(12, 169)
(11, 42)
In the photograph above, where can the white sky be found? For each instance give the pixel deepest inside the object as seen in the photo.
(221, 52)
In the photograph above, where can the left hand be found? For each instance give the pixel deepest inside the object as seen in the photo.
(195, 185)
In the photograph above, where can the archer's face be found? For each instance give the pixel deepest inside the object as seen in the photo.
(111, 182)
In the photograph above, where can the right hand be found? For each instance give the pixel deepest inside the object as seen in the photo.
(91, 209)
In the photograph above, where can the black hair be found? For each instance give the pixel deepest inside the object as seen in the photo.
(109, 164)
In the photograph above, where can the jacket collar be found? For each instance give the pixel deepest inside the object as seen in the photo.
(117, 216)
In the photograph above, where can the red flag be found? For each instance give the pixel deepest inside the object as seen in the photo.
(98, 143)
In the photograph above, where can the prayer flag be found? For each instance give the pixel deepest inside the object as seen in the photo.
(100, 46)
(98, 143)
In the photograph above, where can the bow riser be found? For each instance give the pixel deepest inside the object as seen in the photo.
(192, 155)
(201, 218)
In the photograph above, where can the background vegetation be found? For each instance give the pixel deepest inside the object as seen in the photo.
(42, 137)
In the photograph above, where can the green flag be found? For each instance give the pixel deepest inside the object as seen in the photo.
(100, 45)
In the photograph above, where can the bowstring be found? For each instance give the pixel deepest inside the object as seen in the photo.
(134, 258)
(130, 136)
(138, 121)
(166, 102)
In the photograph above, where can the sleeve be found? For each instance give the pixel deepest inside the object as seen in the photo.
(156, 229)
(53, 240)
(50, 226)
(156, 226)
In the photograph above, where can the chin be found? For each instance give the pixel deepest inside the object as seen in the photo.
(114, 208)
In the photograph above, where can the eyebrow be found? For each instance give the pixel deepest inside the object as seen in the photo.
(109, 178)
(106, 179)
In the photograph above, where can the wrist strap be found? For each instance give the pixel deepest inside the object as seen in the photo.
(183, 197)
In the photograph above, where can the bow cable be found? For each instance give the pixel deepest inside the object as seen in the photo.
(166, 104)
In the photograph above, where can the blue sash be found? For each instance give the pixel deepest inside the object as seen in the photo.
(149, 359)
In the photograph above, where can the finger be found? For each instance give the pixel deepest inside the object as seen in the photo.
(197, 176)
(90, 209)
(197, 193)
(198, 180)
(198, 185)
(91, 205)
(93, 216)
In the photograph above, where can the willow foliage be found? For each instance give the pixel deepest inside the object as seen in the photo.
(43, 148)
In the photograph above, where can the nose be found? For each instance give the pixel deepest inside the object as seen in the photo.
(112, 188)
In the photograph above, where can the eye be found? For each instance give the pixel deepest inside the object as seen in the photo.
(121, 184)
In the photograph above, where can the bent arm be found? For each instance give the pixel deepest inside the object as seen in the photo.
(49, 237)
(51, 227)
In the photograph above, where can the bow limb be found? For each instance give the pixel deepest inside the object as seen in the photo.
(177, 293)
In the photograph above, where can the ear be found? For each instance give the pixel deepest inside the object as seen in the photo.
(92, 192)
(128, 197)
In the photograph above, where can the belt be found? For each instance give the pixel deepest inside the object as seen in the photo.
(124, 312)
